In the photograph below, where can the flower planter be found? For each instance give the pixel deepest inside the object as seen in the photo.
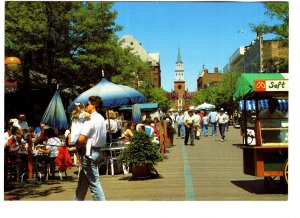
(143, 171)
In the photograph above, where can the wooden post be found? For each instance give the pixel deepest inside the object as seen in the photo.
(166, 137)
(161, 140)
(29, 151)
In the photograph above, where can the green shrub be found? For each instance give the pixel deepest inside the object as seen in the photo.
(140, 151)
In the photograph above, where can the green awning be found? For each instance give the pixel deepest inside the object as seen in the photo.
(245, 83)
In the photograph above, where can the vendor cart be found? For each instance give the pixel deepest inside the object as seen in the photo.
(265, 140)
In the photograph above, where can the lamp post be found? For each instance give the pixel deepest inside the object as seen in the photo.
(12, 62)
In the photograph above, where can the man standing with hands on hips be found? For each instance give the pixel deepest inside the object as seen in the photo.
(93, 130)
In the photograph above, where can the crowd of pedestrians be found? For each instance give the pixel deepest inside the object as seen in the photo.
(90, 130)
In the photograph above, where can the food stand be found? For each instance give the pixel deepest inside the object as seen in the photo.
(265, 143)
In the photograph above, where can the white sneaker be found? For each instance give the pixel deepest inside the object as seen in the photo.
(222, 140)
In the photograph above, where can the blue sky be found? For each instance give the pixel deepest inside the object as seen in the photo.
(206, 32)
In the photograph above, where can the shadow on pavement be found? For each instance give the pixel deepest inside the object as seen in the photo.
(261, 187)
(17, 191)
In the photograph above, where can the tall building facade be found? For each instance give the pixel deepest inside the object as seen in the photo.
(152, 58)
(260, 56)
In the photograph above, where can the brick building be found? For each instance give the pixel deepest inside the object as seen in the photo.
(152, 58)
(206, 79)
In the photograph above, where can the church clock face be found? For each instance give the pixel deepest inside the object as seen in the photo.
(179, 87)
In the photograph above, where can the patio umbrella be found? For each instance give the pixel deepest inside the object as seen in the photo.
(205, 106)
(111, 94)
(136, 114)
(55, 114)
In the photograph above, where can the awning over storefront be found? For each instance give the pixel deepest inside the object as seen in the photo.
(246, 82)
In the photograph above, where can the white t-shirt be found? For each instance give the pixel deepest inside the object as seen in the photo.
(76, 128)
(113, 125)
(52, 145)
(95, 129)
(197, 119)
(222, 118)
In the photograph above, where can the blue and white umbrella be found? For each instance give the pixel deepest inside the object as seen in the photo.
(55, 114)
(136, 114)
(111, 94)
(205, 106)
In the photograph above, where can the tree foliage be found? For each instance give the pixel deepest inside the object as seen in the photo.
(279, 11)
(220, 95)
(159, 95)
(71, 43)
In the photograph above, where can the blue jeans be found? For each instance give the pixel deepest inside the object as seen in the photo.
(180, 131)
(89, 178)
(222, 129)
(213, 128)
(205, 129)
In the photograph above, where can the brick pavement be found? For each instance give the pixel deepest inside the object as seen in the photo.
(210, 170)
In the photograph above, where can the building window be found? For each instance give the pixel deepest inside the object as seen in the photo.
(179, 87)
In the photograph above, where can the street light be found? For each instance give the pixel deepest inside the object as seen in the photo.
(12, 63)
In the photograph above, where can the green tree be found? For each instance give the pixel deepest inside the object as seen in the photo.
(71, 43)
(220, 95)
(159, 95)
(279, 11)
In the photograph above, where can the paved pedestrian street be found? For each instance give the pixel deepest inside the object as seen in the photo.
(209, 171)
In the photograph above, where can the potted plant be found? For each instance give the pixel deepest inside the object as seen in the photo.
(141, 155)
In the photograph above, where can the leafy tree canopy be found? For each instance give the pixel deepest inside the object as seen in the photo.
(279, 11)
(71, 43)
(159, 95)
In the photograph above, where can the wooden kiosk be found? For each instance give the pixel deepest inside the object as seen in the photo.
(265, 150)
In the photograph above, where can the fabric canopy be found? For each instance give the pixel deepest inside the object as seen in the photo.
(143, 106)
(111, 94)
(136, 114)
(205, 106)
(245, 83)
(55, 114)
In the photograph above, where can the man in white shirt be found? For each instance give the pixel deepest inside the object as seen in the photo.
(197, 120)
(189, 126)
(93, 130)
(222, 119)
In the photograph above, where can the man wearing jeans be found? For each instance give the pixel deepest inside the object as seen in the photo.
(93, 130)
(180, 124)
(222, 119)
(212, 116)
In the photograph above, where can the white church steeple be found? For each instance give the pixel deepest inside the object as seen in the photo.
(179, 71)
